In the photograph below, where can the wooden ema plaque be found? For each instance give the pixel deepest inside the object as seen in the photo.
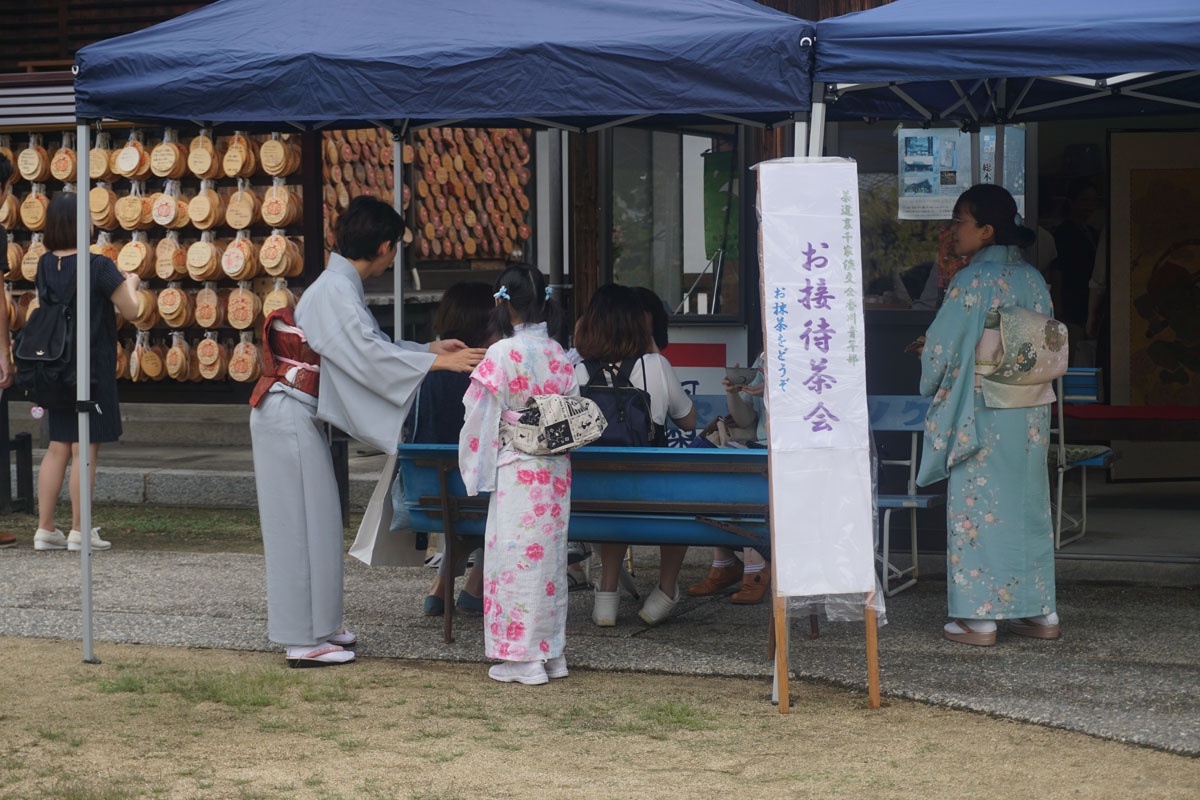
(243, 308)
(33, 164)
(170, 259)
(210, 307)
(63, 165)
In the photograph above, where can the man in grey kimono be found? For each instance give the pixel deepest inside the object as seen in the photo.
(366, 383)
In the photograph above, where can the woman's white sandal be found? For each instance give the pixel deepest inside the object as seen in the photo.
(961, 631)
(322, 655)
(343, 638)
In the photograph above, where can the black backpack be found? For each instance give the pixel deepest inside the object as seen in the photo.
(44, 351)
(625, 407)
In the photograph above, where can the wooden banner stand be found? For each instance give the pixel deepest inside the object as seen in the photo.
(779, 627)
(814, 377)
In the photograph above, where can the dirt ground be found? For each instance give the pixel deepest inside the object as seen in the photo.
(157, 722)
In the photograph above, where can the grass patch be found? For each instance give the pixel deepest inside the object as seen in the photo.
(334, 692)
(243, 691)
(148, 527)
(445, 758)
(437, 733)
(77, 789)
(449, 793)
(675, 716)
(661, 720)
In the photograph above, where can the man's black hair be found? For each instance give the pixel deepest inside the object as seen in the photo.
(365, 224)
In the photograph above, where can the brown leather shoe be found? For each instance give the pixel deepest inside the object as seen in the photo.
(754, 588)
(718, 579)
(7, 540)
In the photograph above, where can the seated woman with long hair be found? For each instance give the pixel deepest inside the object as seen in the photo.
(437, 416)
(613, 329)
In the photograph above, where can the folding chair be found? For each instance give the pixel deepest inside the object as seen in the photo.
(1079, 386)
(906, 414)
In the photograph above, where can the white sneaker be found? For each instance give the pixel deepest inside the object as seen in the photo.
(604, 608)
(49, 540)
(658, 606)
(75, 541)
(556, 667)
(529, 673)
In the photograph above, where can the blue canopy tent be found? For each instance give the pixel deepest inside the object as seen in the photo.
(1022, 60)
(572, 63)
(309, 64)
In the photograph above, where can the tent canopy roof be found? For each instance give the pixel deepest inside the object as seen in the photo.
(575, 63)
(942, 50)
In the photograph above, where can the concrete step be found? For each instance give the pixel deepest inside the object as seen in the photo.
(167, 424)
(184, 454)
(210, 477)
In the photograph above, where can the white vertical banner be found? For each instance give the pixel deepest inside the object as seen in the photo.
(816, 376)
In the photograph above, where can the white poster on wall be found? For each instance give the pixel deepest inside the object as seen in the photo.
(1014, 161)
(815, 376)
(934, 167)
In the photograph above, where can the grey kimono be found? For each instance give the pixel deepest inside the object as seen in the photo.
(367, 383)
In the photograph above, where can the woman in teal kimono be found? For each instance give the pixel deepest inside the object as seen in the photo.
(1000, 547)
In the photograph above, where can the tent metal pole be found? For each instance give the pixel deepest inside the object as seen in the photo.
(557, 190)
(998, 160)
(800, 136)
(1021, 97)
(907, 98)
(1178, 76)
(1160, 99)
(83, 372)
(615, 123)
(1001, 102)
(816, 133)
(1032, 210)
(1068, 102)
(549, 123)
(964, 99)
(398, 264)
(976, 157)
(749, 123)
(999, 166)
(1098, 83)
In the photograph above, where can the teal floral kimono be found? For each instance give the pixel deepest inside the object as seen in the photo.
(1000, 543)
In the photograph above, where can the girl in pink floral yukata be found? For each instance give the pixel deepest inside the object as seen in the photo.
(525, 579)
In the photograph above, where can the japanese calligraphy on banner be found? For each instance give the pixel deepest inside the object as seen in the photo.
(815, 375)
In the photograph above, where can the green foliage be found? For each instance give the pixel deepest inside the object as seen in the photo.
(891, 245)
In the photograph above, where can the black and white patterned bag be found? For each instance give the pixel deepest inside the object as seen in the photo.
(551, 424)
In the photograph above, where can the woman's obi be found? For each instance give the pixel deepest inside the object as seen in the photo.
(287, 357)
(1018, 357)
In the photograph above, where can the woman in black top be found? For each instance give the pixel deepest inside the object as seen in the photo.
(437, 416)
(109, 288)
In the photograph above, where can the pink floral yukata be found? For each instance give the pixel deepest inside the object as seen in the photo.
(525, 579)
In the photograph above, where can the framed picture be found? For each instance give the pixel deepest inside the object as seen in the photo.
(1154, 246)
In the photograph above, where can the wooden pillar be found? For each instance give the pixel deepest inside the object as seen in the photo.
(585, 217)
